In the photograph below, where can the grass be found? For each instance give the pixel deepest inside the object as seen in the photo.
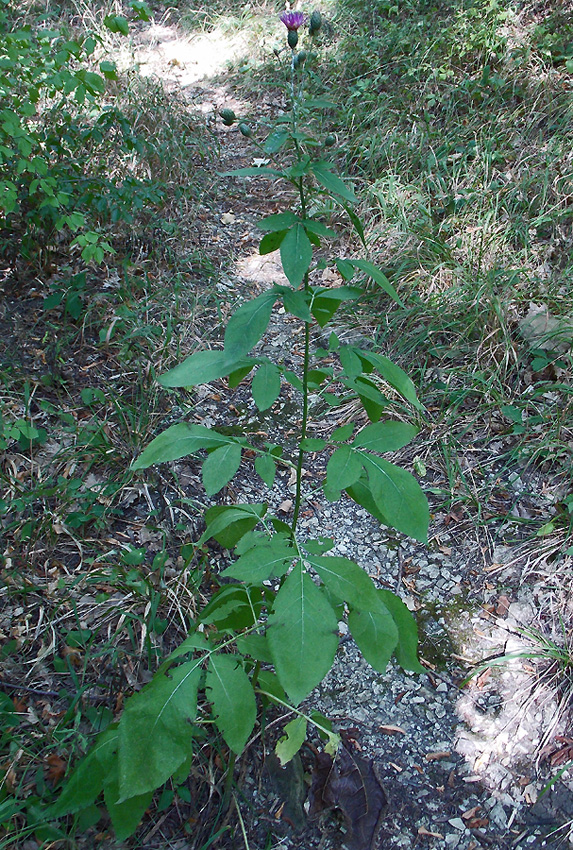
(455, 125)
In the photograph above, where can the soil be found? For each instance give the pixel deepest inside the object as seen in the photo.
(435, 761)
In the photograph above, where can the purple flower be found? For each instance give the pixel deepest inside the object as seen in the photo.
(292, 20)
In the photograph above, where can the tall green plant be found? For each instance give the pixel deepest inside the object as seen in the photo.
(270, 633)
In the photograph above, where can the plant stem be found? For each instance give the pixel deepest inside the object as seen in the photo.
(298, 495)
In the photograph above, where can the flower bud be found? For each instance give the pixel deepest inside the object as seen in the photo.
(228, 117)
(292, 39)
(315, 22)
(330, 140)
(245, 130)
(299, 58)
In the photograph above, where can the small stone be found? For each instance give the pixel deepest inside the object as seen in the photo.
(457, 823)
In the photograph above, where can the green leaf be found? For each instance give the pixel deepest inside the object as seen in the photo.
(296, 254)
(393, 375)
(399, 497)
(155, 734)
(252, 172)
(203, 367)
(266, 468)
(319, 546)
(263, 561)
(318, 228)
(281, 221)
(116, 23)
(376, 636)
(326, 302)
(347, 582)
(220, 466)
(266, 385)
(233, 607)
(331, 182)
(340, 435)
(302, 635)
(256, 646)
(388, 436)
(372, 399)
(275, 141)
(407, 648)
(296, 303)
(228, 524)
(290, 743)
(125, 816)
(360, 492)
(379, 277)
(248, 324)
(343, 468)
(235, 378)
(85, 783)
(356, 223)
(109, 70)
(179, 441)
(234, 706)
(271, 241)
(345, 268)
(351, 362)
(293, 380)
(312, 444)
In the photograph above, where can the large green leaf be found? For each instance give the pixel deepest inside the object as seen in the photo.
(266, 467)
(264, 560)
(361, 494)
(125, 816)
(155, 734)
(179, 441)
(346, 581)
(266, 385)
(220, 466)
(376, 636)
(234, 706)
(233, 607)
(296, 302)
(399, 497)
(296, 254)
(203, 367)
(394, 375)
(302, 635)
(228, 524)
(379, 277)
(332, 183)
(407, 648)
(343, 468)
(280, 221)
(248, 324)
(85, 783)
(388, 436)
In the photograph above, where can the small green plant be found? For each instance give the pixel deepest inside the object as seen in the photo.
(270, 633)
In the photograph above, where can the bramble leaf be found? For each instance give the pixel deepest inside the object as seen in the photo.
(234, 707)
(155, 735)
(302, 635)
(220, 466)
(296, 254)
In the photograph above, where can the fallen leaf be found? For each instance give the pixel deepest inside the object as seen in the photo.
(423, 831)
(471, 812)
(228, 218)
(437, 756)
(502, 607)
(392, 730)
(56, 767)
(285, 506)
(349, 783)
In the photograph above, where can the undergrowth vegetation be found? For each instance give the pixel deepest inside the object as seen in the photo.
(453, 122)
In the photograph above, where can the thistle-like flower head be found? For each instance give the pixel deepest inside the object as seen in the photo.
(292, 20)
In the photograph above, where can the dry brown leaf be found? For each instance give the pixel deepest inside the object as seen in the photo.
(56, 767)
(444, 754)
(285, 506)
(423, 831)
(392, 730)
